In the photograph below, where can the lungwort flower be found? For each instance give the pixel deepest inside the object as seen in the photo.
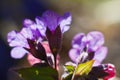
(87, 47)
(50, 26)
(55, 26)
(86, 50)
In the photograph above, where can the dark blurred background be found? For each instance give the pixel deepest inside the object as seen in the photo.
(88, 15)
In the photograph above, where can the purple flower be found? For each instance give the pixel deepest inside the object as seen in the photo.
(43, 27)
(51, 25)
(55, 25)
(18, 40)
(28, 40)
(51, 20)
(87, 47)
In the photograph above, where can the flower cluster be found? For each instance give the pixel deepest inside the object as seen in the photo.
(32, 36)
(90, 47)
(41, 40)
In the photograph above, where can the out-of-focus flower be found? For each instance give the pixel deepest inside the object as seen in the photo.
(104, 71)
(110, 70)
(88, 47)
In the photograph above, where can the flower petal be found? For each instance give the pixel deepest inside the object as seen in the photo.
(95, 39)
(79, 41)
(26, 33)
(18, 52)
(100, 55)
(34, 26)
(19, 41)
(65, 21)
(40, 21)
(27, 23)
(41, 26)
(11, 36)
(51, 19)
(73, 54)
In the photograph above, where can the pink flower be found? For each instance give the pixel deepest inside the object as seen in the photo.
(32, 60)
(110, 70)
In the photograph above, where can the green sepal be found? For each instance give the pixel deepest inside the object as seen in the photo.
(84, 68)
(69, 69)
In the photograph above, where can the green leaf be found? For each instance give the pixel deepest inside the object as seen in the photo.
(38, 73)
(70, 68)
(84, 68)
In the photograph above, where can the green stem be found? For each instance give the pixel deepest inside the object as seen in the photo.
(74, 73)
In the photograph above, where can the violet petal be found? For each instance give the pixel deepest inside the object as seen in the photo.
(18, 52)
(51, 19)
(26, 33)
(65, 21)
(95, 39)
(19, 41)
(79, 41)
(27, 23)
(41, 26)
(11, 36)
(40, 21)
(100, 55)
(73, 54)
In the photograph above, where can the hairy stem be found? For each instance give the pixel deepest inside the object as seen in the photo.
(73, 74)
